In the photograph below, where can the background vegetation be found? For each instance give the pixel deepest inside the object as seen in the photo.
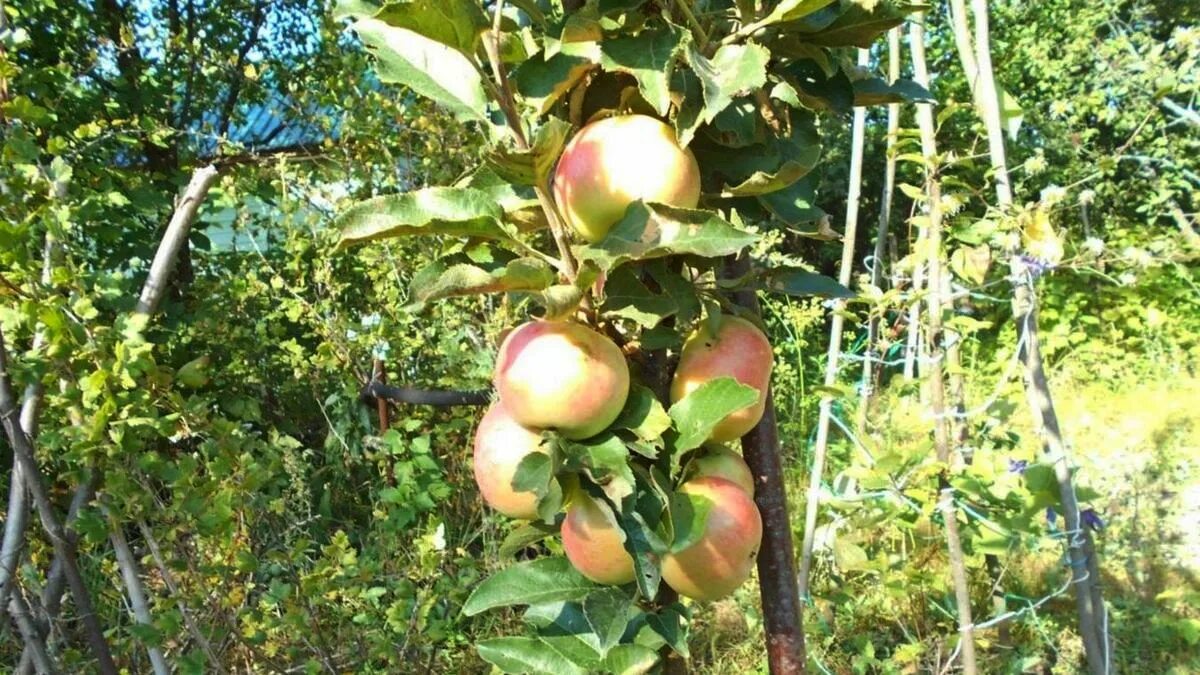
(276, 526)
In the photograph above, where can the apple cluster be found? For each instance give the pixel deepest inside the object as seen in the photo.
(564, 376)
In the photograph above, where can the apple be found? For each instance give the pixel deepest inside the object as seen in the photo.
(722, 558)
(594, 542)
(722, 462)
(738, 350)
(615, 161)
(500, 445)
(561, 375)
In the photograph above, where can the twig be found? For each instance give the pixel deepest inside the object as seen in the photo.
(434, 397)
(35, 645)
(23, 449)
(812, 499)
(169, 580)
(502, 93)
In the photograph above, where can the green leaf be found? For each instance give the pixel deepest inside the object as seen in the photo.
(971, 262)
(650, 231)
(454, 23)
(801, 282)
(438, 280)
(529, 583)
(792, 10)
(858, 26)
(630, 660)
(643, 415)
(733, 70)
(607, 460)
(627, 297)
(696, 414)
(524, 536)
(525, 655)
(463, 212)
(429, 68)
(806, 84)
(876, 91)
(689, 518)
(850, 557)
(645, 547)
(765, 167)
(607, 612)
(533, 166)
(560, 300)
(542, 83)
(519, 202)
(795, 204)
(649, 57)
(563, 626)
(671, 624)
(1040, 478)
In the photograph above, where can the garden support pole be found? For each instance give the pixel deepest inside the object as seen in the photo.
(782, 618)
(1080, 548)
(935, 369)
(870, 366)
(812, 501)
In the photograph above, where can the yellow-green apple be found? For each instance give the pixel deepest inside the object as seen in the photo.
(500, 444)
(594, 542)
(615, 161)
(722, 462)
(722, 558)
(738, 350)
(561, 375)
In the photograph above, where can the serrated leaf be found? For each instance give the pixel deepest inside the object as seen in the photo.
(429, 68)
(733, 70)
(815, 89)
(801, 282)
(850, 557)
(765, 167)
(644, 545)
(650, 231)
(529, 583)
(607, 612)
(649, 57)
(525, 655)
(792, 10)
(689, 517)
(630, 660)
(671, 624)
(542, 83)
(438, 281)
(534, 165)
(876, 91)
(643, 415)
(696, 414)
(463, 212)
(689, 97)
(857, 26)
(795, 204)
(564, 628)
(559, 301)
(524, 536)
(518, 202)
(627, 297)
(606, 458)
(454, 23)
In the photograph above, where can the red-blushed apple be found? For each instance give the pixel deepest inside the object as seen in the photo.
(561, 375)
(500, 445)
(722, 462)
(722, 558)
(594, 542)
(738, 350)
(615, 161)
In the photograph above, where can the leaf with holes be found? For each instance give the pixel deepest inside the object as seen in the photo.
(463, 212)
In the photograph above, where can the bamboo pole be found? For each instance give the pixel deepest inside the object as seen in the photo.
(812, 500)
(870, 365)
(937, 352)
(1080, 548)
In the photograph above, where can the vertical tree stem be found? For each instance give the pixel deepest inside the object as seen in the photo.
(35, 645)
(782, 614)
(812, 500)
(937, 351)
